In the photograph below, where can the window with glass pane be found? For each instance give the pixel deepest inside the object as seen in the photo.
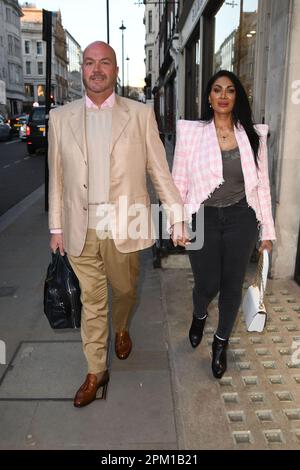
(27, 47)
(29, 90)
(150, 21)
(10, 45)
(8, 15)
(28, 68)
(17, 47)
(40, 68)
(235, 39)
(18, 74)
(150, 59)
(41, 91)
(39, 48)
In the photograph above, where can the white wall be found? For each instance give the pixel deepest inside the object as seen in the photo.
(288, 200)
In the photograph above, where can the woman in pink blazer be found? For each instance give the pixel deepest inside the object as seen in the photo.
(221, 162)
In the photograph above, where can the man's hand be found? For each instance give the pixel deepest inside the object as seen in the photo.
(180, 234)
(265, 245)
(56, 241)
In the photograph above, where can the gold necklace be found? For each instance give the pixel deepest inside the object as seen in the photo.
(223, 137)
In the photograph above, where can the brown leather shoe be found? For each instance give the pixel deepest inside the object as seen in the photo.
(123, 344)
(88, 390)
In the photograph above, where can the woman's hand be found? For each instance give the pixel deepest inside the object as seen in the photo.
(265, 245)
(180, 234)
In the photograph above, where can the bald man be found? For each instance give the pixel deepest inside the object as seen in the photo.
(100, 148)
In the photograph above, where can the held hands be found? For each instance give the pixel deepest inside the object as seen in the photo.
(56, 242)
(265, 245)
(180, 234)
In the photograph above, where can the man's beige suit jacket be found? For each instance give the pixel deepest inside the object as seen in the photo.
(135, 149)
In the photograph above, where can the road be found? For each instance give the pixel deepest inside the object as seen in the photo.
(20, 173)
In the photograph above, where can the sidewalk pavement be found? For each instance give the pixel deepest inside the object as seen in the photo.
(164, 395)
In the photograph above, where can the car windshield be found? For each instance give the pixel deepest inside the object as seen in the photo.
(23, 119)
(38, 115)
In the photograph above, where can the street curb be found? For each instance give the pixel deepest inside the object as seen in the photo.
(179, 424)
(12, 214)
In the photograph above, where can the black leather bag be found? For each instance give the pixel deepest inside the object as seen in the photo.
(62, 305)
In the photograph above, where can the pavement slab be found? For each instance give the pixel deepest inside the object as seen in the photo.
(44, 368)
(164, 395)
(256, 405)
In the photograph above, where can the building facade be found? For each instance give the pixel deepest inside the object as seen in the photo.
(60, 88)
(257, 40)
(74, 55)
(151, 22)
(162, 79)
(11, 64)
(34, 58)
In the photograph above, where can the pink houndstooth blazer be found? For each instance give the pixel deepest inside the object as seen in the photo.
(198, 171)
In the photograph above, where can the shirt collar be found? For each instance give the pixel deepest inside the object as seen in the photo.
(108, 103)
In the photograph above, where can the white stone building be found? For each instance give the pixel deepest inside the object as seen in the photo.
(151, 21)
(11, 66)
(74, 54)
(265, 55)
(34, 57)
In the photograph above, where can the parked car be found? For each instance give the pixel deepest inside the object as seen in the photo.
(22, 130)
(5, 130)
(17, 121)
(36, 130)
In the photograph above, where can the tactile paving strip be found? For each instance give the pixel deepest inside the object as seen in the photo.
(261, 388)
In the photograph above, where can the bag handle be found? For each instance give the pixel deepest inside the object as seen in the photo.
(261, 275)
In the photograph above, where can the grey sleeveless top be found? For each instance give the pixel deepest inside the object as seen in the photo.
(233, 188)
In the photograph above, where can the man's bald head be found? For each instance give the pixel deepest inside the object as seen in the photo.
(99, 71)
(101, 45)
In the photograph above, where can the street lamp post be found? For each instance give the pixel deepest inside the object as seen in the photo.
(122, 27)
(127, 58)
(107, 20)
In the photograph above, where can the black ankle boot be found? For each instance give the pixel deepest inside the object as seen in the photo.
(219, 359)
(196, 331)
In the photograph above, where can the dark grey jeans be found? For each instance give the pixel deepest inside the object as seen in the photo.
(230, 234)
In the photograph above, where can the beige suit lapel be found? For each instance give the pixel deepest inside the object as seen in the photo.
(120, 118)
(78, 127)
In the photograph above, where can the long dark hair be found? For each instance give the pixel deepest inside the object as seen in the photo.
(241, 112)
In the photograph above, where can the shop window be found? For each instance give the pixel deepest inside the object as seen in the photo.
(29, 90)
(41, 90)
(192, 77)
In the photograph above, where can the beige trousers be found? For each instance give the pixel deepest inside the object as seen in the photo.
(100, 262)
